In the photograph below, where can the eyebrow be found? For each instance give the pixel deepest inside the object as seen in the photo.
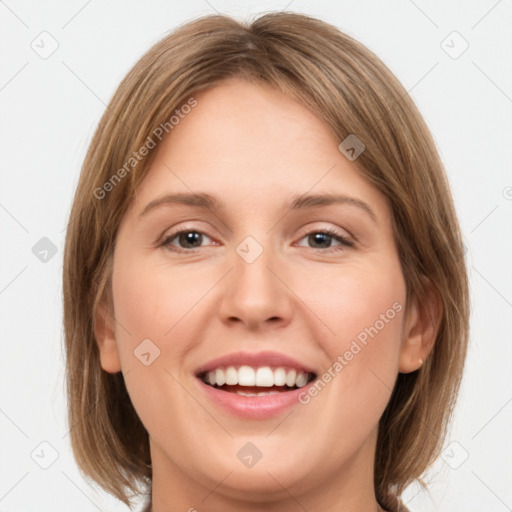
(298, 202)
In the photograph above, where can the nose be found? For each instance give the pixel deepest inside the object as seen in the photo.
(257, 293)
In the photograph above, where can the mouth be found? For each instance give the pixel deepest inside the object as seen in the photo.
(254, 385)
(254, 381)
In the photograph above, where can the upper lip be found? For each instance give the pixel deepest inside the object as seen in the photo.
(254, 359)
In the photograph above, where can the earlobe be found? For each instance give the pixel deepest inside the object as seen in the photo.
(106, 340)
(420, 330)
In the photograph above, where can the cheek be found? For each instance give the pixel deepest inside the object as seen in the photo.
(154, 300)
(364, 310)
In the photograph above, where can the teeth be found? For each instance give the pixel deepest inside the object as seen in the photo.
(220, 377)
(279, 377)
(263, 376)
(302, 380)
(261, 393)
(231, 376)
(246, 376)
(291, 377)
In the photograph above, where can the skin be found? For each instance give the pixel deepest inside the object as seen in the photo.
(253, 148)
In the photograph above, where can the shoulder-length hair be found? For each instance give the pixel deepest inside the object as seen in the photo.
(354, 92)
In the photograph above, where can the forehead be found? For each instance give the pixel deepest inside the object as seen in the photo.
(239, 113)
(249, 141)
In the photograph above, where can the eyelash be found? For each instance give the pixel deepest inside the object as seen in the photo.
(344, 242)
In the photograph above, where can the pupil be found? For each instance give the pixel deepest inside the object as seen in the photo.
(189, 237)
(317, 237)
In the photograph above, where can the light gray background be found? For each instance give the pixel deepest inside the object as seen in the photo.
(50, 107)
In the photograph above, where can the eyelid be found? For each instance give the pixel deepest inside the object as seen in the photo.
(346, 241)
(167, 239)
(306, 230)
(333, 229)
(174, 231)
(344, 237)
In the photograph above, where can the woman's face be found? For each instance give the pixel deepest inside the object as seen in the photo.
(252, 291)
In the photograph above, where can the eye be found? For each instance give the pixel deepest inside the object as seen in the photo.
(186, 238)
(324, 237)
(191, 239)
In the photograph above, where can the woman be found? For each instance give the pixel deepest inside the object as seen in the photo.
(217, 357)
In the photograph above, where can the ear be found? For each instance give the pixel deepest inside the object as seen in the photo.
(106, 339)
(420, 330)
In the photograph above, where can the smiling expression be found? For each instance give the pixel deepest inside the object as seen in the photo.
(251, 260)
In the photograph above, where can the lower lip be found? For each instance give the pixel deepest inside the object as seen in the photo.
(254, 407)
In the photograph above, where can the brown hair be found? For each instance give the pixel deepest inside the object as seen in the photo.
(351, 89)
